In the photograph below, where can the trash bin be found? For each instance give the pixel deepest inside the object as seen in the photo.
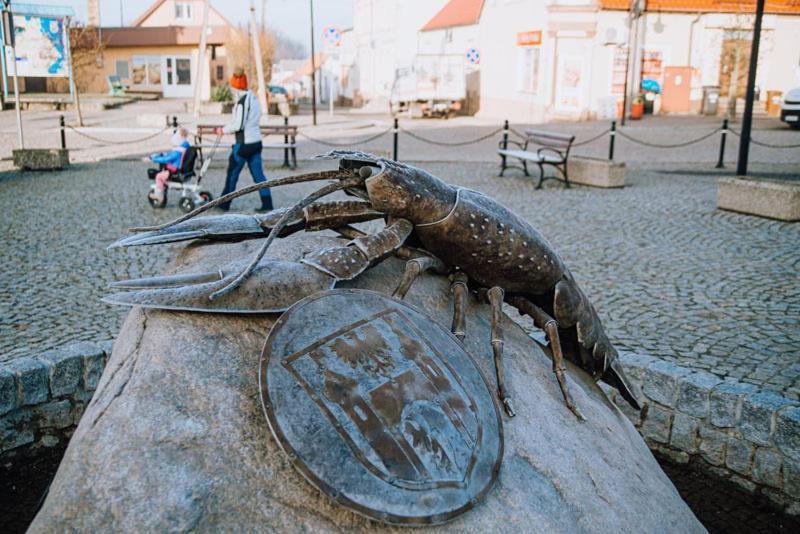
(710, 99)
(773, 105)
(637, 108)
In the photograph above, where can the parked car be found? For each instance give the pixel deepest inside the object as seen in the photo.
(280, 101)
(790, 108)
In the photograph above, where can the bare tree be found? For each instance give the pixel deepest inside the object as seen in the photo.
(239, 54)
(86, 51)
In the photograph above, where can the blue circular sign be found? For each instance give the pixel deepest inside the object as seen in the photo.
(473, 56)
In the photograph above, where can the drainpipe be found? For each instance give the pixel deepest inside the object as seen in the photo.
(691, 38)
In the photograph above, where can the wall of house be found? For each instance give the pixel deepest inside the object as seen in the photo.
(164, 15)
(99, 82)
(502, 91)
(385, 33)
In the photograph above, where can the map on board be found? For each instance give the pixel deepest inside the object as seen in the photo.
(40, 46)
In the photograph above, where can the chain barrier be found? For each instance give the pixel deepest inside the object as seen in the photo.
(125, 142)
(760, 143)
(672, 145)
(349, 143)
(457, 143)
(595, 138)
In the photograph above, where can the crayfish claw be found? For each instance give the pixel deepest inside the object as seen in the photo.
(509, 407)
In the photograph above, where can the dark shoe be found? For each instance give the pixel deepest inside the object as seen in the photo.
(266, 205)
(263, 209)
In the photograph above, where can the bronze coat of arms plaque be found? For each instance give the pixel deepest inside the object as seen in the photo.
(380, 407)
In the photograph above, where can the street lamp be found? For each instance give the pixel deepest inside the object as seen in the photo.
(313, 70)
(747, 120)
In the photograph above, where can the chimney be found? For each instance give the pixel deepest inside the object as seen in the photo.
(93, 11)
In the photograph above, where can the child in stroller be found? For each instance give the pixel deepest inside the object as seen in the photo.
(175, 171)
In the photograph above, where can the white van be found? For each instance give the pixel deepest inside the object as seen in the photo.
(790, 108)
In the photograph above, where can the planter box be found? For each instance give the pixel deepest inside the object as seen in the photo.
(596, 172)
(41, 159)
(766, 198)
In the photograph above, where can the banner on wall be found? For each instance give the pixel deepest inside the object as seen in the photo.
(40, 46)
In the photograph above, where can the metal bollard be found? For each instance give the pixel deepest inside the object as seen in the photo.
(174, 124)
(722, 137)
(611, 135)
(286, 143)
(63, 132)
(505, 146)
(396, 133)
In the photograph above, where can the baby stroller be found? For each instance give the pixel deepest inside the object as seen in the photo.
(184, 180)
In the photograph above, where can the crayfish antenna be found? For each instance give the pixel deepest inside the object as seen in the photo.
(290, 213)
(615, 377)
(310, 177)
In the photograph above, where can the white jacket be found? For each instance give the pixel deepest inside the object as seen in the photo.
(247, 118)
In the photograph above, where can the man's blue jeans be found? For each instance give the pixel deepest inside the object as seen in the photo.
(251, 155)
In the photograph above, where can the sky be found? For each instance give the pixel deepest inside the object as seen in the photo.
(290, 17)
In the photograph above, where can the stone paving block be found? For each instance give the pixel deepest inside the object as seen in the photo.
(15, 429)
(55, 414)
(635, 364)
(712, 445)
(693, 393)
(767, 467)
(724, 402)
(791, 477)
(657, 424)
(787, 432)
(739, 456)
(94, 361)
(32, 380)
(65, 369)
(684, 433)
(661, 382)
(758, 411)
(8, 391)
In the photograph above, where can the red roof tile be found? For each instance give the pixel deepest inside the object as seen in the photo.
(456, 13)
(708, 6)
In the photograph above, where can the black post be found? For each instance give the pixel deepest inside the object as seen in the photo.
(720, 161)
(747, 120)
(174, 124)
(505, 146)
(313, 69)
(63, 132)
(611, 135)
(396, 133)
(286, 143)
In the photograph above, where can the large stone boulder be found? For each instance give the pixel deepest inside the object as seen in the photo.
(175, 438)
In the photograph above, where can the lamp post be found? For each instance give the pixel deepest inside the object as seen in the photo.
(313, 70)
(747, 119)
(8, 38)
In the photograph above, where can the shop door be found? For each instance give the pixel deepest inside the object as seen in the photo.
(176, 78)
(676, 90)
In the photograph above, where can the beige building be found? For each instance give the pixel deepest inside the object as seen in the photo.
(159, 51)
(566, 59)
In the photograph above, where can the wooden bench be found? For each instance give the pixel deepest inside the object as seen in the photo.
(550, 149)
(289, 144)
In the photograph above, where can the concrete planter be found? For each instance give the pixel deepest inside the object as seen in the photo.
(216, 108)
(596, 172)
(41, 159)
(765, 198)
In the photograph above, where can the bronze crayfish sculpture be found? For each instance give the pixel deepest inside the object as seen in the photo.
(437, 227)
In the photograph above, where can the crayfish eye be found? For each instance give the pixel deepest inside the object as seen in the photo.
(365, 172)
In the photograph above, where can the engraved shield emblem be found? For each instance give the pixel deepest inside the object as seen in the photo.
(380, 407)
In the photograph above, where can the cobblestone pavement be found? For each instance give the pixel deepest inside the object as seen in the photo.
(669, 274)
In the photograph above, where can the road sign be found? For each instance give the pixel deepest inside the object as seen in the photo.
(473, 56)
(332, 36)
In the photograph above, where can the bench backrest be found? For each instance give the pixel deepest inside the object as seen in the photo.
(554, 140)
(282, 129)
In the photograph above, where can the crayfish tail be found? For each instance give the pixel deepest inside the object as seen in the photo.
(615, 377)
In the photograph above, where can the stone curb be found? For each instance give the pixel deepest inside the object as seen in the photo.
(43, 397)
(750, 437)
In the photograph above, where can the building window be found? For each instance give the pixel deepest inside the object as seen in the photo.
(220, 72)
(122, 69)
(528, 69)
(183, 10)
(146, 70)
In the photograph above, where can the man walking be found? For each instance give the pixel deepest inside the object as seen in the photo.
(247, 150)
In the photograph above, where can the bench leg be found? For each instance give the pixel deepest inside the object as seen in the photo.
(502, 165)
(294, 157)
(566, 178)
(541, 176)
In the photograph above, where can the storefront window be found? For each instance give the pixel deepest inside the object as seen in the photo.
(146, 70)
(183, 69)
(528, 69)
